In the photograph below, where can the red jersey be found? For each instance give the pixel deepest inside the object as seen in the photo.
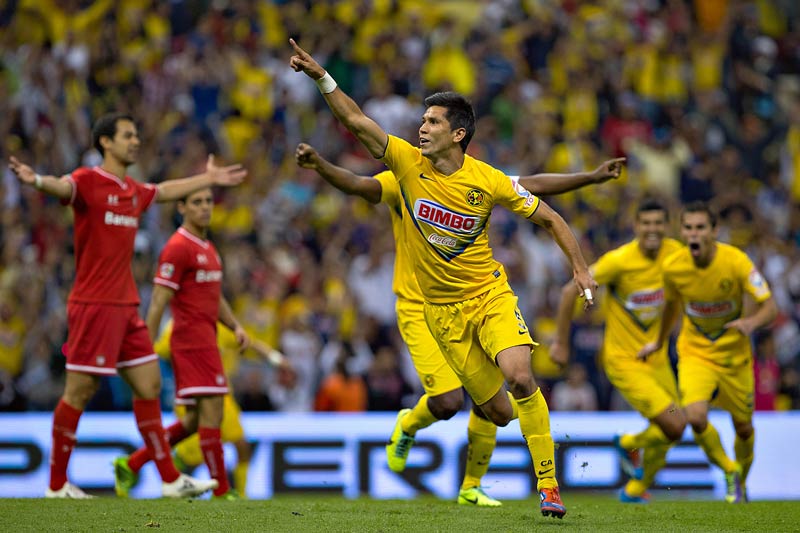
(107, 212)
(192, 268)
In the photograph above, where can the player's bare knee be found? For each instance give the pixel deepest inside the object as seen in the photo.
(445, 406)
(744, 429)
(674, 431)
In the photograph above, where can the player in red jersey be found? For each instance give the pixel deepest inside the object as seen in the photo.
(106, 334)
(189, 279)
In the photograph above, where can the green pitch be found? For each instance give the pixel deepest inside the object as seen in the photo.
(318, 514)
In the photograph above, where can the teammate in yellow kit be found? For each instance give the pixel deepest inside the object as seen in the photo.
(187, 453)
(632, 275)
(709, 280)
(443, 397)
(469, 307)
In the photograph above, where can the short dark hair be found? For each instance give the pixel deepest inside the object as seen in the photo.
(459, 113)
(106, 126)
(701, 207)
(651, 204)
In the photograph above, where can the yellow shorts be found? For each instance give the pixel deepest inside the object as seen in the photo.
(650, 387)
(231, 431)
(700, 379)
(434, 373)
(471, 333)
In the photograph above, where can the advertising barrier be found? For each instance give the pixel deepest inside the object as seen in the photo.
(344, 454)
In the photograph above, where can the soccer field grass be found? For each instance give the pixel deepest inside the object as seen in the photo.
(594, 513)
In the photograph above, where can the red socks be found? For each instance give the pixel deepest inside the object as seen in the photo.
(148, 418)
(65, 425)
(175, 433)
(211, 444)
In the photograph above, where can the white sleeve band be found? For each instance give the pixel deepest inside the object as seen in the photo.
(326, 84)
(37, 181)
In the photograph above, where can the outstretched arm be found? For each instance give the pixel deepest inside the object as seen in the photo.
(540, 184)
(344, 108)
(58, 187)
(558, 229)
(172, 190)
(348, 182)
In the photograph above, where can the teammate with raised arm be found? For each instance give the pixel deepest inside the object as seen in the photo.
(710, 279)
(106, 335)
(469, 306)
(443, 396)
(632, 275)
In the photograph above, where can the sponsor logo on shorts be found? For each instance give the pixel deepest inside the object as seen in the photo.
(442, 217)
(205, 276)
(442, 240)
(220, 379)
(101, 360)
(113, 219)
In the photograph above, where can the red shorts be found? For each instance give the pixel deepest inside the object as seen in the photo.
(102, 338)
(198, 373)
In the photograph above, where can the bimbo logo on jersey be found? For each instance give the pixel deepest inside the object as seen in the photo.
(641, 299)
(442, 217)
(710, 309)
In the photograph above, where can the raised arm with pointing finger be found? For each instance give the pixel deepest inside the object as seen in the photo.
(445, 198)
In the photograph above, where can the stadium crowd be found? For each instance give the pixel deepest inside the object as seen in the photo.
(702, 97)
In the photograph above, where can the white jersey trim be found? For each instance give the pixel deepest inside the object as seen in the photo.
(86, 369)
(195, 239)
(170, 284)
(202, 391)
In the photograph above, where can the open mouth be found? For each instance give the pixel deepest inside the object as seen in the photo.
(694, 248)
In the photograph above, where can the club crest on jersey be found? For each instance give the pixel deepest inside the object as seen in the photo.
(166, 270)
(725, 285)
(202, 259)
(474, 197)
(439, 216)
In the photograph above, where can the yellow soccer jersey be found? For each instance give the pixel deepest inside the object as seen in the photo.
(404, 282)
(446, 218)
(711, 298)
(636, 287)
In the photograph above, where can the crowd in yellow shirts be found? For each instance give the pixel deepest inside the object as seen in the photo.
(702, 97)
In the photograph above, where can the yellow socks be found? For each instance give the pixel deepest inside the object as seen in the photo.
(188, 451)
(534, 421)
(744, 453)
(651, 436)
(240, 478)
(482, 436)
(420, 417)
(514, 406)
(709, 441)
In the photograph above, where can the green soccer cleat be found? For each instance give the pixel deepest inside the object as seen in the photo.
(475, 496)
(125, 479)
(231, 495)
(733, 485)
(399, 445)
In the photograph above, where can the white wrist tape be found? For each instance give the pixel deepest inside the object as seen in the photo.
(275, 357)
(326, 84)
(37, 181)
(587, 293)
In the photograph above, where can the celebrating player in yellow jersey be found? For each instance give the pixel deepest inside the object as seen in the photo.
(715, 362)
(443, 397)
(469, 306)
(632, 274)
